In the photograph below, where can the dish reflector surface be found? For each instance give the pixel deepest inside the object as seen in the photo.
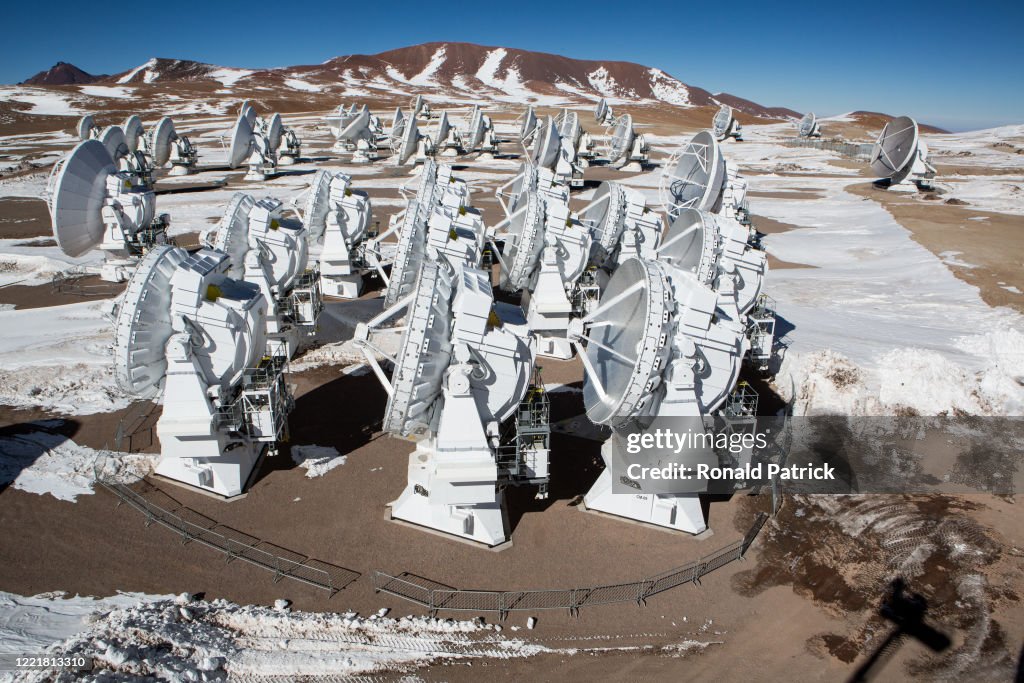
(85, 126)
(622, 138)
(806, 124)
(523, 244)
(424, 354)
(697, 178)
(895, 147)
(547, 145)
(78, 196)
(113, 139)
(143, 323)
(160, 146)
(631, 327)
(132, 132)
(275, 129)
(241, 142)
(722, 120)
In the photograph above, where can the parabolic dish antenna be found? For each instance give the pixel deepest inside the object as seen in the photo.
(160, 143)
(410, 136)
(722, 120)
(133, 131)
(76, 205)
(233, 231)
(694, 178)
(601, 111)
(424, 354)
(356, 126)
(524, 242)
(476, 128)
(630, 327)
(523, 185)
(895, 149)
(689, 245)
(144, 324)
(547, 145)
(806, 126)
(443, 129)
(85, 127)
(607, 214)
(397, 123)
(113, 139)
(249, 112)
(241, 142)
(569, 127)
(621, 141)
(317, 205)
(410, 252)
(529, 125)
(274, 131)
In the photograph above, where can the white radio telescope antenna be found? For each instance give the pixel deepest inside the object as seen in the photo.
(93, 204)
(808, 126)
(625, 148)
(460, 373)
(529, 125)
(182, 311)
(694, 176)
(725, 125)
(87, 128)
(275, 131)
(603, 113)
(900, 152)
(134, 134)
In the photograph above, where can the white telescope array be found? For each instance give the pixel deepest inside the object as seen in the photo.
(195, 337)
(900, 153)
(261, 144)
(94, 205)
(337, 220)
(356, 131)
(545, 256)
(438, 223)
(145, 151)
(272, 252)
(724, 125)
(556, 153)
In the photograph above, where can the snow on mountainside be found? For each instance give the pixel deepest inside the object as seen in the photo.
(442, 69)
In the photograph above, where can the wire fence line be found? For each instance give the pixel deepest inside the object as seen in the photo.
(850, 149)
(236, 545)
(435, 596)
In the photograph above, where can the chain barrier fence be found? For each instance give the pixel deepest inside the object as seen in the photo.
(236, 545)
(436, 596)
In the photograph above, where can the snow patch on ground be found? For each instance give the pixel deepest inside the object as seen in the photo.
(107, 91)
(133, 635)
(40, 102)
(317, 460)
(46, 462)
(59, 358)
(299, 84)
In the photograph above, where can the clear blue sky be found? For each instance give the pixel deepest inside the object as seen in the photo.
(954, 64)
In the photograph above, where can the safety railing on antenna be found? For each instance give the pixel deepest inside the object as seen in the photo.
(435, 596)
